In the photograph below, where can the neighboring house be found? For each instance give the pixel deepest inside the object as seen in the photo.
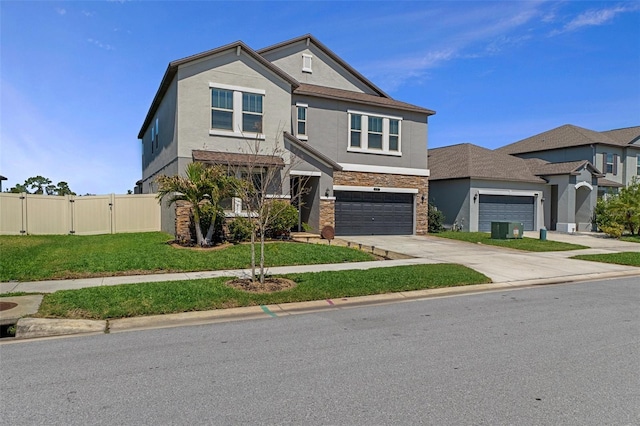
(615, 152)
(474, 186)
(1, 179)
(360, 155)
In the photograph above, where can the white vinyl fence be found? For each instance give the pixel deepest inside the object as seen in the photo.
(22, 214)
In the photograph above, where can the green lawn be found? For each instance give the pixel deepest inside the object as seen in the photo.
(626, 258)
(526, 244)
(26, 258)
(631, 238)
(196, 295)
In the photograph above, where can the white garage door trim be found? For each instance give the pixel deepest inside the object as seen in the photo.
(374, 189)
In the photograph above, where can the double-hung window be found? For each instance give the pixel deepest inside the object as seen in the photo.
(610, 163)
(236, 111)
(301, 121)
(374, 133)
(221, 109)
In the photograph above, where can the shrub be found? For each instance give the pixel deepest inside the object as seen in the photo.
(240, 230)
(285, 217)
(436, 218)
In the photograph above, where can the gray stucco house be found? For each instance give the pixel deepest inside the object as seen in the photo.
(360, 154)
(549, 180)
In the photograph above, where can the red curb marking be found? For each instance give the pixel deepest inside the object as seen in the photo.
(329, 301)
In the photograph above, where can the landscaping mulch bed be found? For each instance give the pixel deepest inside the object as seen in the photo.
(270, 285)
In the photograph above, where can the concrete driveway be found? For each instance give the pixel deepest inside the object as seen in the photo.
(505, 265)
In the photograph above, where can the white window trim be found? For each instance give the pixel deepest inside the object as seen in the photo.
(306, 121)
(364, 134)
(367, 168)
(307, 67)
(304, 173)
(237, 112)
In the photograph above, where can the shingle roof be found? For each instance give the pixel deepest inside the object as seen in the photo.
(569, 135)
(606, 182)
(311, 151)
(358, 97)
(472, 161)
(625, 136)
(544, 168)
(236, 159)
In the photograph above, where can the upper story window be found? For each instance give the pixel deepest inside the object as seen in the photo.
(236, 111)
(374, 133)
(301, 121)
(306, 63)
(251, 113)
(221, 109)
(155, 128)
(610, 163)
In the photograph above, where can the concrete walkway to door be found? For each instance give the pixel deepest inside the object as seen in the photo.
(504, 265)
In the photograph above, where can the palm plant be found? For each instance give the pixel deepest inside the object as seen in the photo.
(201, 185)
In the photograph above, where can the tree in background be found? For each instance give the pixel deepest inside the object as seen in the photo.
(204, 187)
(620, 212)
(43, 186)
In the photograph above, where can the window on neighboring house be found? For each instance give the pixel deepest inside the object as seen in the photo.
(302, 121)
(356, 131)
(252, 113)
(153, 137)
(374, 133)
(306, 63)
(610, 163)
(638, 164)
(157, 132)
(221, 109)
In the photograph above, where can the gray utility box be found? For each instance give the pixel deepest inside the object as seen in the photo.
(506, 230)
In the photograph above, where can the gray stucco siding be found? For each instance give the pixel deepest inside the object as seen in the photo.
(451, 197)
(326, 72)
(194, 102)
(328, 131)
(158, 158)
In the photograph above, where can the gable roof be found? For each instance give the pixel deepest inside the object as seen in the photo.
(471, 161)
(172, 70)
(569, 135)
(309, 150)
(358, 97)
(329, 53)
(544, 168)
(625, 136)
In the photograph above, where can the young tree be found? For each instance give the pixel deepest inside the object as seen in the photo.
(262, 180)
(202, 185)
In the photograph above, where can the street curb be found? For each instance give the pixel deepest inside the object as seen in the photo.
(42, 327)
(28, 328)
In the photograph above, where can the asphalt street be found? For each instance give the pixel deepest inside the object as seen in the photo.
(562, 354)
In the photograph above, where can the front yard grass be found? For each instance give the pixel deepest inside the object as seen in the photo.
(525, 244)
(626, 258)
(631, 238)
(196, 295)
(43, 257)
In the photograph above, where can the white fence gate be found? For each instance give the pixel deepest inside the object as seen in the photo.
(86, 215)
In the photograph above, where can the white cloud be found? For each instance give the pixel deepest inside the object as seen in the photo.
(595, 17)
(88, 13)
(61, 11)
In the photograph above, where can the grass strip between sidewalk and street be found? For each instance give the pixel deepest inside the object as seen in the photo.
(525, 244)
(132, 300)
(48, 257)
(625, 258)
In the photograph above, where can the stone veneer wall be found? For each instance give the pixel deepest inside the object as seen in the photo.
(327, 213)
(184, 218)
(421, 183)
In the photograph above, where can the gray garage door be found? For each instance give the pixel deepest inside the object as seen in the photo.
(373, 213)
(497, 208)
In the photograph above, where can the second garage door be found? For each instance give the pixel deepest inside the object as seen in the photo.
(373, 213)
(505, 208)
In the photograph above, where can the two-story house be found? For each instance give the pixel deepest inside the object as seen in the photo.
(360, 154)
(550, 180)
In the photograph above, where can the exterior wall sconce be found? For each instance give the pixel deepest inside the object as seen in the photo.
(475, 197)
(422, 199)
(326, 192)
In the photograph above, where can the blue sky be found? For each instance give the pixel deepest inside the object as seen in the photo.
(77, 78)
